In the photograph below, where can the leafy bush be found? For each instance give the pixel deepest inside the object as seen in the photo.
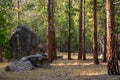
(5, 21)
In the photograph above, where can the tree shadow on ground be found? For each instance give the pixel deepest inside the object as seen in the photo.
(63, 70)
(100, 77)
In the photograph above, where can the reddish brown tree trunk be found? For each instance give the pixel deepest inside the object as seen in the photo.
(80, 33)
(95, 48)
(69, 31)
(84, 54)
(113, 67)
(51, 49)
(53, 10)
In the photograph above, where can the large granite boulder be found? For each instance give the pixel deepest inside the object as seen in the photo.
(29, 62)
(23, 42)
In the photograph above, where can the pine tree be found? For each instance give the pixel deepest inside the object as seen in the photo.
(113, 67)
(80, 50)
(84, 53)
(95, 48)
(69, 31)
(51, 46)
(104, 50)
(18, 13)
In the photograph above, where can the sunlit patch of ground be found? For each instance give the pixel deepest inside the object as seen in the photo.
(62, 69)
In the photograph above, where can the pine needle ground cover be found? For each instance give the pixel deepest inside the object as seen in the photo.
(63, 69)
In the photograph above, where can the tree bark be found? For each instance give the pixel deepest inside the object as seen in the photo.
(69, 31)
(53, 10)
(18, 13)
(51, 48)
(104, 50)
(113, 67)
(80, 52)
(95, 48)
(84, 53)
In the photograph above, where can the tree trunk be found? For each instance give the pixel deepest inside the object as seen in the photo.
(53, 10)
(113, 67)
(18, 13)
(69, 31)
(84, 53)
(80, 33)
(117, 43)
(96, 61)
(104, 50)
(51, 48)
(1, 50)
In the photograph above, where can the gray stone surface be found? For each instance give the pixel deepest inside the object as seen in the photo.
(28, 63)
(23, 42)
(37, 60)
(20, 66)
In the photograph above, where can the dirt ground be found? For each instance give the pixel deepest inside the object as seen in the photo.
(62, 69)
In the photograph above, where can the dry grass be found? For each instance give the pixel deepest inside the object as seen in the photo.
(62, 69)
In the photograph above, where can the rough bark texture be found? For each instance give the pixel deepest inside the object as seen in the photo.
(104, 49)
(113, 67)
(69, 31)
(80, 50)
(53, 10)
(95, 48)
(84, 53)
(51, 48)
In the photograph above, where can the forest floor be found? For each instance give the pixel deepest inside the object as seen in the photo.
(63, 69)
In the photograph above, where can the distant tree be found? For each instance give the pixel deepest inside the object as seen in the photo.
(84, 54)
(95, 48)
(80, 50)
(69, 30)
(18, 12)
(104, 48)
(113, 67)
(51, 48)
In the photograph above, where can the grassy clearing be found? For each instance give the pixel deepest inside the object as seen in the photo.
(62, 69)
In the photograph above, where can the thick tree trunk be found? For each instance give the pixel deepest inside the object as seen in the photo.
(95, 48)
(69, 31)
(51, 49)
(53, 10)
(113, 67)
(84, 53)
(80, 33)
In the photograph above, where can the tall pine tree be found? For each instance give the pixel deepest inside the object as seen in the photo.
(51, 46)
(95, 48)
(113, 67)
(80, 50)
(69, 30)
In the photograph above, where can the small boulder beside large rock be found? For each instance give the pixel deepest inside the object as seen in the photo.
(28, 63)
